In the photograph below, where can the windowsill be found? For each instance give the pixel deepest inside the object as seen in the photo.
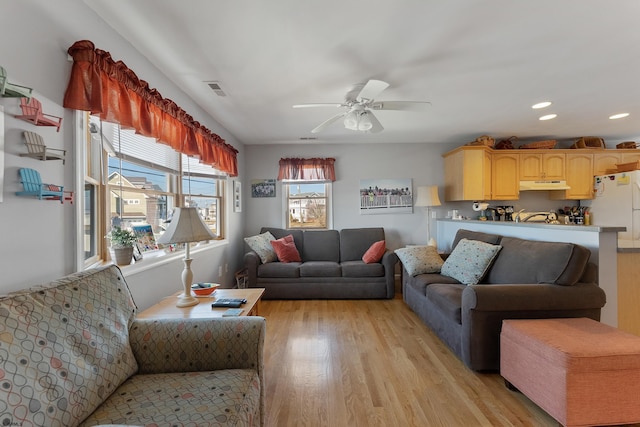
(154, 259)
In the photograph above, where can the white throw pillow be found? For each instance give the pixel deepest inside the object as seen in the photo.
(261, 244)
(469, 261)
(420, 259)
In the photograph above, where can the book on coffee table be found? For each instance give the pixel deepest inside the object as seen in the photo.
(232, 312)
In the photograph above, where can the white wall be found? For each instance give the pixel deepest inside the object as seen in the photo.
(38, 236)
(420, 162)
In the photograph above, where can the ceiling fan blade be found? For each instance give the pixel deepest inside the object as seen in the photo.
(400, 105)
(371, 90)
(327, 122)
(376, 126)
(317, 105)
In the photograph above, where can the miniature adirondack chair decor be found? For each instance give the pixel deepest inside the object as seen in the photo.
(12, 90)
(33, 186)
(32, 113)
(37, 149)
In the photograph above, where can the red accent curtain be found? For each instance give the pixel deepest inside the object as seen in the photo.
(113, 92)
(314, 169)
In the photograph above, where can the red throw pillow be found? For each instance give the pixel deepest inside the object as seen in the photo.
(286, 250)
(374, 253)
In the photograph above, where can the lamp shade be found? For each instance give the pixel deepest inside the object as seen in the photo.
(427, 196)
(186, 226)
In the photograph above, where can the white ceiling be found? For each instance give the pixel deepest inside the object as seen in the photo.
(481, 63)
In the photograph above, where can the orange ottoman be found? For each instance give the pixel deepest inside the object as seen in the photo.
(581, 372)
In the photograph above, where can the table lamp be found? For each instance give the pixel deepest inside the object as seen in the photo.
(186, 226)
(428, 196)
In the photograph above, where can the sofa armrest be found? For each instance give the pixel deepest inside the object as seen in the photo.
(251, 263)
(389, 261)
(186, 345)
(532, 297)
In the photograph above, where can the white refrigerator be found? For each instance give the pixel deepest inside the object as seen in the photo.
(617, 203)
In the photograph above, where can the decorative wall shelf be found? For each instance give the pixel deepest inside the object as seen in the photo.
(38, 150)
(12, 90)
(32, 113)
(33, 186)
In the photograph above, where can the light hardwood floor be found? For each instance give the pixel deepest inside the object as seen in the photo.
(374, 363)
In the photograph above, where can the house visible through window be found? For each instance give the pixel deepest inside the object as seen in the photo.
(307, 204)
(133, 181)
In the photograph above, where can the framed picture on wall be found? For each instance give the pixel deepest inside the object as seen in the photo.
(385, 196)
(263, 188)
(237, 196)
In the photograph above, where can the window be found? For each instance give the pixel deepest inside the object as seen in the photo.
(131, 180)
(307, 205)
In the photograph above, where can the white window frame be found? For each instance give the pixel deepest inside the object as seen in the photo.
(328, 185)
(103, 194)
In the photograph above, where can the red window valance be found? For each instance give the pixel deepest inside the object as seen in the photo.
(314, 169)
(113, 92)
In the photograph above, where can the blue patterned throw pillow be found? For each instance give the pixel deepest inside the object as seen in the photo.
(469, 261)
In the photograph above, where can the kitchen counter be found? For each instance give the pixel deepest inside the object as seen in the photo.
(602, 241)
(544, 225)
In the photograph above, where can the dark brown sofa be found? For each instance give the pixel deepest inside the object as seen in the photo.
(527, 280)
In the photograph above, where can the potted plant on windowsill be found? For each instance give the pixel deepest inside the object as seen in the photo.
(122, 242)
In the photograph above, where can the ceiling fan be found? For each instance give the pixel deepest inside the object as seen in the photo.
(360, 105)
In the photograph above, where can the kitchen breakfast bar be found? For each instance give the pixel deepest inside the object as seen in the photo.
(602, 241)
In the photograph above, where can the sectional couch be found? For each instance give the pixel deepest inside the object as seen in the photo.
(526, 280)
(73, 353)
(331, 266)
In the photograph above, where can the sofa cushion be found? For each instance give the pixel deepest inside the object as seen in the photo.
(279, 233)
(279, 269)
(188, 398)
(321, 245)
(354, 242)
(420, 259)
(286, 250)
(469, 261)
(361, 269)
(493, 239)
(261, 244)
(520, 261)
(71, 340)
(320, 269)
(448, 298)
(375, 252)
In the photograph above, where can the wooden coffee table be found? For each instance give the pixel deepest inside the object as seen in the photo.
(166, 308)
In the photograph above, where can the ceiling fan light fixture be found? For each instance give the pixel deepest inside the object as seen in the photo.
(351, 120)
(364, 124)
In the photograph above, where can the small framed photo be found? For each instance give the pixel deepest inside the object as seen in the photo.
(237, 196)
(137, 254)
(263, 188)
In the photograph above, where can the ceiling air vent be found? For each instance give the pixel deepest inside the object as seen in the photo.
(215, 86)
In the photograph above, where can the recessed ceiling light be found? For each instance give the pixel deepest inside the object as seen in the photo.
(548, 117)
(539, 105)
(618, 116)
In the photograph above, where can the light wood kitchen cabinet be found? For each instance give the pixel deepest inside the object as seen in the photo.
(505, 176)
(605, 161)
(467, 174)
(579, 176)
(630, 156)
(535, 166)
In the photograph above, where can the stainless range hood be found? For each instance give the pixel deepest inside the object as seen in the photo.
(544, 185)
